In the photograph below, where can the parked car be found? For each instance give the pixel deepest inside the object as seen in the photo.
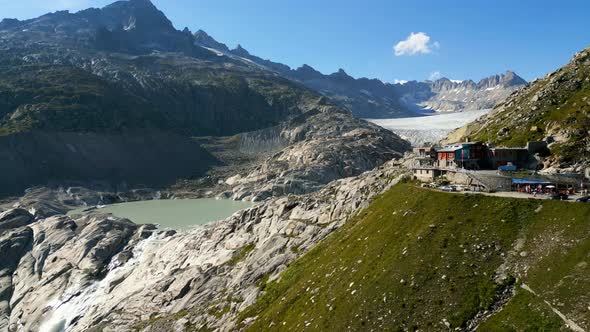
(585, 199)
(448, 188)
(507, 168)
(559, 197)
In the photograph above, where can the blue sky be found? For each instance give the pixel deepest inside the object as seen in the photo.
(460, 39)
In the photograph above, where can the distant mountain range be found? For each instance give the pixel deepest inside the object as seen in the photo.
(372, 98)
(445, 95)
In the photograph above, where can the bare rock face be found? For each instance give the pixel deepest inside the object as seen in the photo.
(65, 257)
(108, 273)
(14, 243)
(14, 218)
(321, 147)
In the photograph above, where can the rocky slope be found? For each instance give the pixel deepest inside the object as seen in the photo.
(309, 261)
(555, 109)
(109, 274)
(320, 147)
(125, 67)
(365, 98)
(104, 96)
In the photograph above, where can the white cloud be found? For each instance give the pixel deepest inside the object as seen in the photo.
(402, 82)
(416, 43)
(435, 75)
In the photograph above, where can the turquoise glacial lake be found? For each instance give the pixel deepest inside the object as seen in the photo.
(174, 214)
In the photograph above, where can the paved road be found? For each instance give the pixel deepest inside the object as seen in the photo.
(511, 194)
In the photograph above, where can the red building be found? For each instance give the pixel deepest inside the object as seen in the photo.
(462, 155)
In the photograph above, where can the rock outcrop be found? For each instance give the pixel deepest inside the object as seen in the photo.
(15, 241)
(106, 272)
(14, 219)
(321, 147)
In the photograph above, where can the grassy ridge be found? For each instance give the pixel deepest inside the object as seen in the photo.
(417, 259)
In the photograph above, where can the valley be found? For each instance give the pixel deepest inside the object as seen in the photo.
(154, 179)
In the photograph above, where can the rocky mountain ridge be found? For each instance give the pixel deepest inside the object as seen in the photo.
(445, 95)
(372, 98)
(134, 26)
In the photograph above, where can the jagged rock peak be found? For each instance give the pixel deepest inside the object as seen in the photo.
(508, 79)
(144, 3)
(204, 39)
(202, 34)
(239, 50)
(143, 12)
(341, 74)
(135, 4)
(307, 72)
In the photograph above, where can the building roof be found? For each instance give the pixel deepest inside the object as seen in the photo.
(450, 149)
(509, 149)
(529, 181)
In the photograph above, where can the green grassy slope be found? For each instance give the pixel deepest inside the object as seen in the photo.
(422, 260)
